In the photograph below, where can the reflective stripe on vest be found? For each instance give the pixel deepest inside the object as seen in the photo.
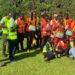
(44, 48)
(12, 35)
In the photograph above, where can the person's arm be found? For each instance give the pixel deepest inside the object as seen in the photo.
(2, 25)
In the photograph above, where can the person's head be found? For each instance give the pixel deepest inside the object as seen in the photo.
(50, 18)
(22, 17)
(64, 39)
(42, 14)
(10, 15)
(56, 16)
(47, 19)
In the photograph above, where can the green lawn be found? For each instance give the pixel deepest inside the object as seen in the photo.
(33, 64)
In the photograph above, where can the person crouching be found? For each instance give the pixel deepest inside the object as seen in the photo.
(62, 47)
(48, 52)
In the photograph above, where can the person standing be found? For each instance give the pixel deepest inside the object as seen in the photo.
(12, 37)
(38, 31)
(20, 31)
(30, 30)
(3, 24)
(45, 31)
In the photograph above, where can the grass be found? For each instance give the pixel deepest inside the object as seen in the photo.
(32, 63)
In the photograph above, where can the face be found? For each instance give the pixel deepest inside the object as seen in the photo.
(9, 15)
(22, 17)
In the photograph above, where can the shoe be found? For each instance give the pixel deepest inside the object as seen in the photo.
(48, 61)
(28, 51)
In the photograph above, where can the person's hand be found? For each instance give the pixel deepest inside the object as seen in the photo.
(36, 36)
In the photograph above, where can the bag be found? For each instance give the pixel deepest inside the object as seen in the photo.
(69, 33)
(60, 34)
(32, 28)
(34, 42)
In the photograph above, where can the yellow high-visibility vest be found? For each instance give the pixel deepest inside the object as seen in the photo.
(50, 48)
(12, 35)
(4, 30)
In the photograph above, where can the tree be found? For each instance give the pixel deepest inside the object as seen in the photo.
(62, 7)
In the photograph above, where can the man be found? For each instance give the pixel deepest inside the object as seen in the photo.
(3, 24)
(30, 30)
(45, 31)
(12, 37)
(62, 47)
(48, 51)
(20, 31)
(38, 31)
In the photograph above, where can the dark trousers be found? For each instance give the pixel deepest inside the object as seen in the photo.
(30, 36)
(12, 48)
(44, 41)
(38, 39)
(20, 40)
(49, 55)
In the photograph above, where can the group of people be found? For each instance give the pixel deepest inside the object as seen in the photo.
(54, 36)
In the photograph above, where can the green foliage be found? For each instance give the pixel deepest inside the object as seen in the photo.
(62, 7)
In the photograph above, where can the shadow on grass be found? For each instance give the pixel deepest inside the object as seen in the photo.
(4, 59)
(22, 56)
(0, 38)
(26, 55)
(5, 63)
